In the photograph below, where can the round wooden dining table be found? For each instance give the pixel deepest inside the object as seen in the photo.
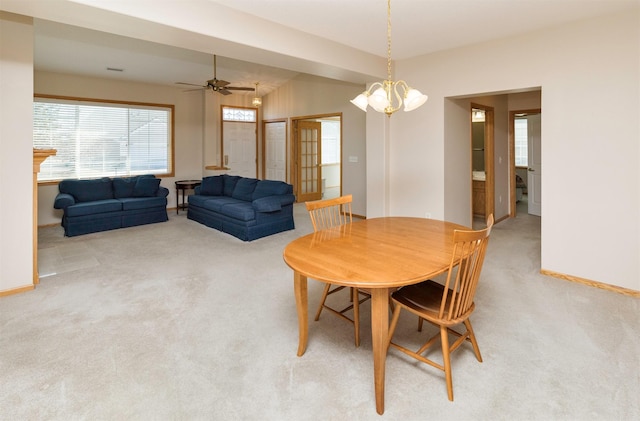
(380, 254)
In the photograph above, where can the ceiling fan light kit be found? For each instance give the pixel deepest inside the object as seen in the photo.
(257, 101)
(384, 97)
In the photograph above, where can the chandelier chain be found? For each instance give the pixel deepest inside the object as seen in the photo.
(389, 39)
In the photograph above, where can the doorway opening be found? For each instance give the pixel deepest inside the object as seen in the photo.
(482, 164)
(525, 161)
(316, 149)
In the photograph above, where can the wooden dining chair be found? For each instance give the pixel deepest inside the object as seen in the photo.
(327, 214)
(447, 305)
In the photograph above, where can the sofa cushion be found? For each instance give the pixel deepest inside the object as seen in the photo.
(239, 210)
(212, 186)
(230, 182)
(129, 203)
(244, 189)
(87, 190)
(146, 187)
(94, 207)
(212, 203)
(123, 187)
(266, 188)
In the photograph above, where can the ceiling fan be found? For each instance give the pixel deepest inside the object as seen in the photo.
(220, 86)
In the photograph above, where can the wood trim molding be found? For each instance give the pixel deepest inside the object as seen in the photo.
(16, 290)
(595, 284)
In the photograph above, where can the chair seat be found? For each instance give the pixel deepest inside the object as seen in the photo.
(426, 298)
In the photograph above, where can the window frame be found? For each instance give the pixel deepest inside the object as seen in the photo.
(171, 146)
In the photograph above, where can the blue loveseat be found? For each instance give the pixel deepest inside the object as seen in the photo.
(246, 208)
(110, 203)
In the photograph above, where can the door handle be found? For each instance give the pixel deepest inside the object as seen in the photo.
(530, 169)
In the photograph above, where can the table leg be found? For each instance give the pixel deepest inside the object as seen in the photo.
(302, 305)
(177, 203)
(379, 335)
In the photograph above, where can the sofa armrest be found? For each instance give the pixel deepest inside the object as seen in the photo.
(63, 201)
(272, 203)
(162, 192)
(197, 190)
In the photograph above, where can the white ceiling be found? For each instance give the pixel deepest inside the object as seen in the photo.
(418, 27)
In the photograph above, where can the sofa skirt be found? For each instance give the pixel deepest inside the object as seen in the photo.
(87, 224)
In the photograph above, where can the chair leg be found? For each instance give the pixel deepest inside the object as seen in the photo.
(420, 321)
(444, 338)
(394, 323)
(356, 313)
(322, 300)
(472, 338)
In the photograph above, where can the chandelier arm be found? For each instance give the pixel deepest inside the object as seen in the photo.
(398, 96)
(373, 87)
(405, 88)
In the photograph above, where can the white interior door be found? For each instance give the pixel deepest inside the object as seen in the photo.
(534, 173)
(239, 144)
(275, 154)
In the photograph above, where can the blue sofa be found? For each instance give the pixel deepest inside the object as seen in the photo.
(246, 208)
(110, 203)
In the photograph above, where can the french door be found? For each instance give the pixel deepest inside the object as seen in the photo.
(309, 180)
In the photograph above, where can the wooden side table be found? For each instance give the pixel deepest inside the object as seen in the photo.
(183, 185)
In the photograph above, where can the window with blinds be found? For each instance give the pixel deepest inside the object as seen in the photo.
(521, 140)
(102, 139)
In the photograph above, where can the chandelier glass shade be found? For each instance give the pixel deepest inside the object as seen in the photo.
(389, 96)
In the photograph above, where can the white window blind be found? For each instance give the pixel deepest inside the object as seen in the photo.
(521, 142)
(95, 139)
(330, 142)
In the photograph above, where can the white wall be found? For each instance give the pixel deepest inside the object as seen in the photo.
(189, 163)
(589, 73)
(310, 95)
(16, 152)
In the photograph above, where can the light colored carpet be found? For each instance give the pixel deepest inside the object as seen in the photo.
(176, 321)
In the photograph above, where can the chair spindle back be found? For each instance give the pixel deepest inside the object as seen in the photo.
(464, 271)
(330, 212)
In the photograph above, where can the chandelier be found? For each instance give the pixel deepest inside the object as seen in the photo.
(257, 101)
(388, 96)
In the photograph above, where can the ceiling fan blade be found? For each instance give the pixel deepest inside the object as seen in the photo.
(224, 91)
(190, 84)
(238, 88)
